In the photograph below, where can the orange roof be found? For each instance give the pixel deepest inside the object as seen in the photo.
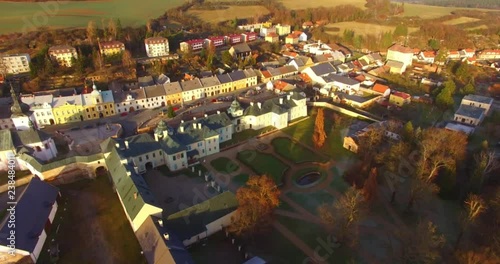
(453, 52)
(266, 74)
(416, 51)
(272, 34)
(401, 94)
(399, 48)
(308, 23)
(380, 88)
(280, 85)
(429, 54)
(360, 78)
(469, 50)
(305, 77)
(292, 36)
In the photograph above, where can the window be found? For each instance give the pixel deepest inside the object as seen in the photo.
(173, 158)
(154, 155)
(140, 159)
(182, 155)
(38, 149)
(147, 157)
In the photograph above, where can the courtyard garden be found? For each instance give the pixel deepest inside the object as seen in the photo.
(262, 163)
(240, 179)
(311, 201)
(224, 165)
(295, 152)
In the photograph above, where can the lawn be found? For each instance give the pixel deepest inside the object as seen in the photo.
(460, 20)
(338, 182)
(430, 12)
(92, 227)
(20, 17)
(315, 236)
(276, 248)
(19, 175)
(262, 163)
(300, 4)
(224, 165)
(216, 16)
(333, 146)
(245, 135)
(240, 179)
(362, 28)
(295, 152)
(311, 201)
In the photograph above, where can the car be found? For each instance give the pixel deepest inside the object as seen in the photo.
(124, 114)
(229, 98)
(214, 100)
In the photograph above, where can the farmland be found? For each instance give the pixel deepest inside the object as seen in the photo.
(300, 4)
(19, 17)
(362, 28)
(430, 12)
(460, 20)
(231, 12)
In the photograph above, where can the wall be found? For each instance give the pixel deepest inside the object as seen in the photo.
(143, 214)
(212, 228)
(341, 110)
(39, 245)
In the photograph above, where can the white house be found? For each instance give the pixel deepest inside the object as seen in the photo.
(192, 90)
(39, 143)
(63, 55)
(41, 106)
(130, 101)
(401, 54)
(340, 83)
(469, 115)
(34, 215)
(266, 31)
(319, 70)
(155, 96)
(156, 46)
(478, 101)
(15, 63)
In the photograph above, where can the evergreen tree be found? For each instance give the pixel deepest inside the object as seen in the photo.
(400, 30)
(469, 88)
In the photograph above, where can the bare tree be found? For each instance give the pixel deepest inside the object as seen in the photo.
(420, 245)
(112, 29)
(343, 216)
(486, 163)
(474, 207)
(91, 31)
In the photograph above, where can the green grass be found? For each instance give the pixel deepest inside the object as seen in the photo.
(276, 248)
(92, 209)
(224, 165)
(240, 179)
(285, 206)
(333, 147)
(338, 182)
(420, 114)
(29, 16)
(311, 201)
(262, 163)
(19, 175)
(430, 12)
(245, 135)
(294, 152)
(314, 236)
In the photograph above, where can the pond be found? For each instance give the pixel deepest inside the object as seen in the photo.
(308, 178)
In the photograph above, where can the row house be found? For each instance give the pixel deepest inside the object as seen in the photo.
(192, 45)
(63, 55)
(68, 109)
(211, 85)
(156, 96)
(234, 39)
(173, 93)
(489, 54)
(41, 106)
(250, 27)
(15, 63)
(467, 53)
(109, 48)
(129, 101)
(215, 41)
(226, 84)
(156, 46)
(272, 74)
(192, 90)
(98, 104)
(283, 30)
(249, 36)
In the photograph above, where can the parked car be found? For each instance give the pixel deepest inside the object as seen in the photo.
(124, 114)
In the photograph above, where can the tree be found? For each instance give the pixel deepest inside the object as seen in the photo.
(420, 245)
(348, 35)
(97, 60)
(257, 201)
(481, 256)
(441, 55)
(469, 88)
(319, 135)
(49, 66)
(408, 131)
(170, 112)
(463, 72)
(127, 60)
(445, 98)
(433, 44)
(343, 216)
(401, 31)
(91, 31)
(474, 207)
(112, 29)
(227, 58)
(119, 29)
(370, 187)
(485, 164)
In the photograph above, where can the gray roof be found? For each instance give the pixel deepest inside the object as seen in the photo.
(301, 60)
(237, 75)
(193, 220)
(323, 69)
(250, 73)
(6, 142)
(32, 212)
(136, 94)
(162, 78)
(356, 127)
(273, 105)
(470, 111)
(210, 81)
(191, 85)
(138, 144)
(156, 248)
(62, 100)
(224, 78)
(479, 98)
(154, 91)
(340, 79)
(145, 81)
(172, 88)
(30, 136)
(394, 64)
(241, 48)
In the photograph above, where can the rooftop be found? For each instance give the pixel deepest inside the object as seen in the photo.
(478, 98)
(172, 88)
(6, 142)
(209, 81)
(470, 111)
(394, 64)
(191, 85)
(402, 49)
(154, 91)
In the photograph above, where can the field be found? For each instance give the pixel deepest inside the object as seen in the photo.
(430, 12)
(460, 20)
(362, 28)
(20, 17)
(300, 4)
(216, 16)
(478, 27)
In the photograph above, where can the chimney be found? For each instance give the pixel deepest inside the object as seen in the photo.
(251, 103)
(259, 104)
(194, 125)
(126, 144)
(218, 112)
(206, 115)
(181, 128)
(281, 100)
(117, 145)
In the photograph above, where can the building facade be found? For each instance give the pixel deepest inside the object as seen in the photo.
(63, 55)
(109, 48)
(15, 63)
(156, 47)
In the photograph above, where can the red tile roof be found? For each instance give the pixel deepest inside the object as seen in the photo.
(380, 88)
(401, 94)
(305, 77)
(429, 54)
(272, 34)
(399, 48)
(155, 40)
(266, 74)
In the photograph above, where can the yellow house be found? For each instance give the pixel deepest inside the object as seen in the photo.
(67, 109)
(108, 48)
(267, 24)
(98, 104)
(272, 37)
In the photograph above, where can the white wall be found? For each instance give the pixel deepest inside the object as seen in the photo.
(39, 245)
(180, 161)
(53, 212)
(46, 153)
(212, 228)
(143, 214)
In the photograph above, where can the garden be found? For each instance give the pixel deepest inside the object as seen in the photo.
(295, 152)
(262, 163)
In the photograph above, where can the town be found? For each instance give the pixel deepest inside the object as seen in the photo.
(259, 141)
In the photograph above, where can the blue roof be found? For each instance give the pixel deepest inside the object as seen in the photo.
(32, 212)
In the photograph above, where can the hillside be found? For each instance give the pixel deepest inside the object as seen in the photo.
(490, 4)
